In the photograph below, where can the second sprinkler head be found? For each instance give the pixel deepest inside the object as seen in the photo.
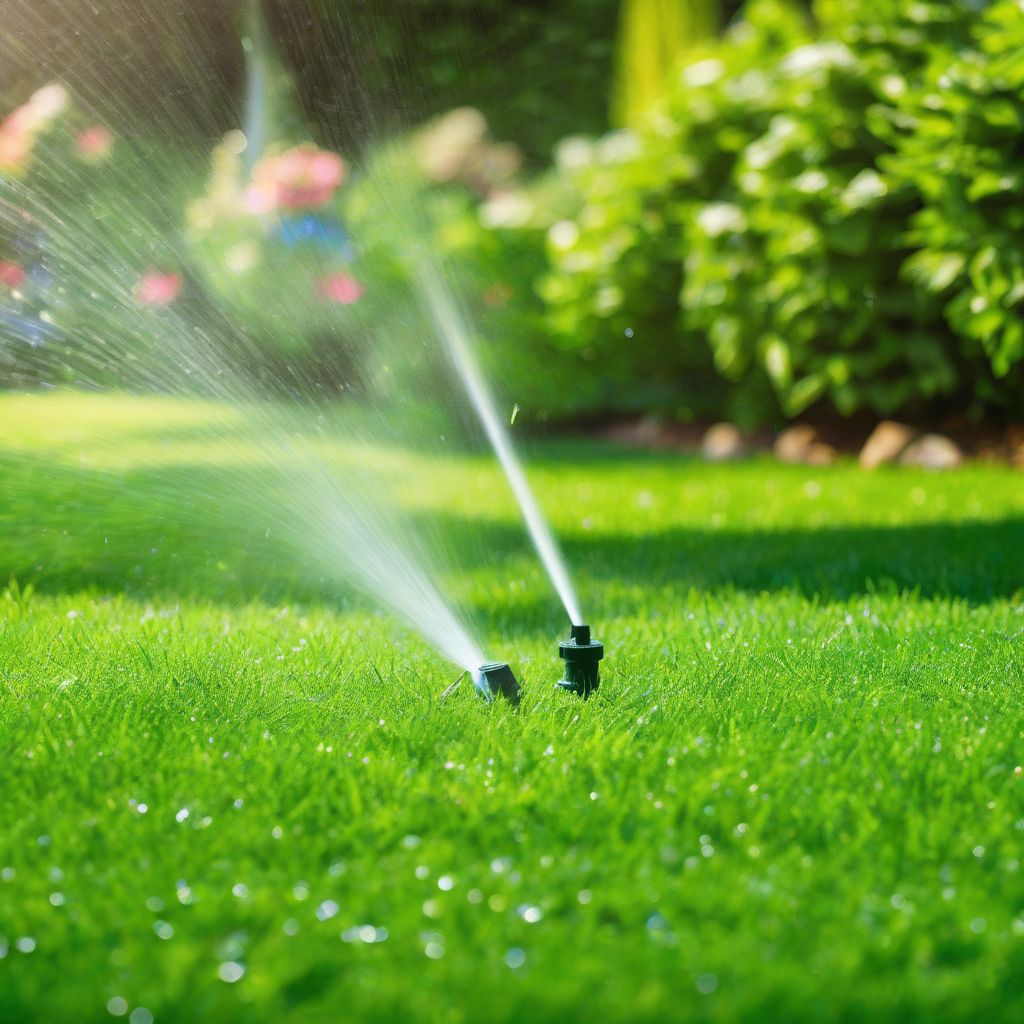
(495, 679)
(581, 656)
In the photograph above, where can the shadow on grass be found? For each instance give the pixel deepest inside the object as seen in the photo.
(203, 532)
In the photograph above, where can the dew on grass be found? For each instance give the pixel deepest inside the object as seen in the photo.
(978, 925)
(584, 896)
(154, 904)
(422, 872)
(182, 815)
(337, 869)
(185, 895)
(230, 971)
(368, 934)
(501, 864)
(240, 890)
(301, 891)
(530, 913)
(327, 910)
(290, 927)
(515, 958)
(56, 899)
(7, 874)
(25, 944)
(706, 984)
(979, 852)
(432, 908)
(475, 896)
(411, 842)
(163, 929)
(117, 1006)
(433, 948)
(446, 883)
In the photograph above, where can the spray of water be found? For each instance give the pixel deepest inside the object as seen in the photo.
(452, 328)
(343, 514)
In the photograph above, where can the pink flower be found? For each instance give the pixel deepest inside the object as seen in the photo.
(94, 143)
(158, 289)
(19, 130)
(341, 288)
(11, 274)
(15, 143)
(301, 178)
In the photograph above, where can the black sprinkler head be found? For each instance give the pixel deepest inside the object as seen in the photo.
(581, 656)
(495, 679)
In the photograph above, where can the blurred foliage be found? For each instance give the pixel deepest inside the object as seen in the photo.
(654, 36)
(826, 208)
(537, 70)
(821, 212)
(959, 144)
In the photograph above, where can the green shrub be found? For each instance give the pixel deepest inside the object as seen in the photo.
(827, 207)
(961, 150)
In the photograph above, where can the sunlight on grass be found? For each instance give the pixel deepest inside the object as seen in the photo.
(233, 788)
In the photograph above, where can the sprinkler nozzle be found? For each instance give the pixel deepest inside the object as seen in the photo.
(581, 656)
(495, 679)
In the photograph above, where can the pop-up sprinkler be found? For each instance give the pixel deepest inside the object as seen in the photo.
(495, 679)
(581, 656)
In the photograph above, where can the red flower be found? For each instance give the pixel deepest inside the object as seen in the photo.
(340, 288)
(11, 274)
(158, 289)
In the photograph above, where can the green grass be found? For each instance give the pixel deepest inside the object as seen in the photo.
(797, 796)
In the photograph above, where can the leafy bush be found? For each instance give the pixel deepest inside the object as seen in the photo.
(960, 148)
(824, 206)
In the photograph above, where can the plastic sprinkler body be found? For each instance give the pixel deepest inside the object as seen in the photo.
(581, 656)
(495, 679)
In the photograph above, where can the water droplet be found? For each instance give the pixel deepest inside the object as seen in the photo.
(515, 958)
(117, 1006)
(327, 910)
(706, 984)
(230, 971)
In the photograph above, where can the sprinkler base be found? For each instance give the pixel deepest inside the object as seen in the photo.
(495, 679)
(581, 656)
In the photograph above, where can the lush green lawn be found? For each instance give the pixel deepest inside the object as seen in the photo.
(230, 790)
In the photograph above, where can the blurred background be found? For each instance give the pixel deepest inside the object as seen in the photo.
(663, 213)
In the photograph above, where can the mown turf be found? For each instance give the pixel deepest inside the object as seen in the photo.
(231, 791)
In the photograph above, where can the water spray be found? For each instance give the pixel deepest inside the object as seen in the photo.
(581, 656)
